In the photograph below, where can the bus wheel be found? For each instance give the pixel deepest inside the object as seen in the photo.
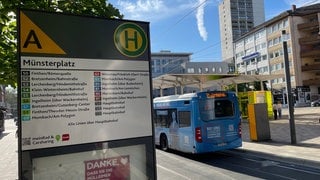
(163, 143)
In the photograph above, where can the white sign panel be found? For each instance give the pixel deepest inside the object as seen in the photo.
(68, 101)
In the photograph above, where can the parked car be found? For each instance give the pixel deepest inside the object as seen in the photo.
(315, 103)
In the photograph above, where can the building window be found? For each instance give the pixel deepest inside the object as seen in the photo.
(271, 55)
(273, 67)
(259, 59)
(275, 41)
(281, 52)
(206, 70)
(190, 70)
(264, 57)
(213, 69)
(285, 23)
(278, 66)
(292, 78)
(274, 28)
(157, 70)
(269, 30)
(279, 25)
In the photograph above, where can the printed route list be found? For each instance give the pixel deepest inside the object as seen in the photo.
(69, 98)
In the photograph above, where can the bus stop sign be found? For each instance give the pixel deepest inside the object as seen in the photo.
(80, 80)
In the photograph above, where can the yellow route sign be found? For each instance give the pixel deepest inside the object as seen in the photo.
(34, 40)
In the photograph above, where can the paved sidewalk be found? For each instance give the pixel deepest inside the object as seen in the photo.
(9, 152)
(305, 152)
(307, 149)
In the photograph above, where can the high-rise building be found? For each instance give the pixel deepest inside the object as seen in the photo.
(236, 18)
(260, 51)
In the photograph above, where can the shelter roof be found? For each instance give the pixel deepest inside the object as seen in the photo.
(207, 80)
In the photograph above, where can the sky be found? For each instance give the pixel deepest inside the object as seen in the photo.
(189, 26)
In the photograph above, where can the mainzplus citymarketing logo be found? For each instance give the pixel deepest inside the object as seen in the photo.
(130, 39)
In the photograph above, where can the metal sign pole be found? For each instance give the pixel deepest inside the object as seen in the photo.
(289, 93)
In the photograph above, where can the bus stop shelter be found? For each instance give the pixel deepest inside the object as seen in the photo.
(203, 81)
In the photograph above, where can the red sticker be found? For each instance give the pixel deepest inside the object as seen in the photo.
(65, 137)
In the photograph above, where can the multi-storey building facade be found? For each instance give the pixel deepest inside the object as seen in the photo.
(237, 17)
(261, 51)
(166, 62)
(206, 68)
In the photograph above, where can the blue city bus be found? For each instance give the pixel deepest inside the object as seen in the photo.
(197, 122)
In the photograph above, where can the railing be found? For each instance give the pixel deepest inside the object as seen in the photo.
(311, 82)
(312, 39)
(310, 67)
(310, 53)
(308, 26)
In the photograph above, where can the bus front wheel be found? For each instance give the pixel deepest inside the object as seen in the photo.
(164, 143)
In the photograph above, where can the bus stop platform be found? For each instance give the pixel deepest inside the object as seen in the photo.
(305, 152)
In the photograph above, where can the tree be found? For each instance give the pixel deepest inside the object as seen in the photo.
(8, 27)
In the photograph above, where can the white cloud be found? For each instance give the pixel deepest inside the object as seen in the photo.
(158, 10)
(300, 3)
(151, 10)
(200, 20)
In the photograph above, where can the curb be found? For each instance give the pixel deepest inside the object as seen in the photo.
(284, 159)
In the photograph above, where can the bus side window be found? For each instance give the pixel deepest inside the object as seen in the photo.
(184, 119)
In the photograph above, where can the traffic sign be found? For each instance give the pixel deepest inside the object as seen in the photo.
(81, 79)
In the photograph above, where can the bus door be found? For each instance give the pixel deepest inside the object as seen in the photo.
(186, 134)
(173, 129)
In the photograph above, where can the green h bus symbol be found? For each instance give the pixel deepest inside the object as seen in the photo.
(130, 39)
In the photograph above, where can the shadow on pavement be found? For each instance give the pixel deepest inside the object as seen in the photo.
(307, 131)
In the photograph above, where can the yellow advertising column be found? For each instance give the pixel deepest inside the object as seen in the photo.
(258, 122)
(261, 97)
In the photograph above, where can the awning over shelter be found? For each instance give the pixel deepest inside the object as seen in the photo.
(207, 80)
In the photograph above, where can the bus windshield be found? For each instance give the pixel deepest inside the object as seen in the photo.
(212, 109)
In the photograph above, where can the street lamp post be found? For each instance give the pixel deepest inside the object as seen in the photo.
(289, 93)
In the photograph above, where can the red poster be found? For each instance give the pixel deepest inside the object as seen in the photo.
(115, 168)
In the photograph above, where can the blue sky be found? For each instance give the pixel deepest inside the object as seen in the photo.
(189, 25)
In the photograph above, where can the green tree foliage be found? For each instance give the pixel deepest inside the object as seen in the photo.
(8, 26)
